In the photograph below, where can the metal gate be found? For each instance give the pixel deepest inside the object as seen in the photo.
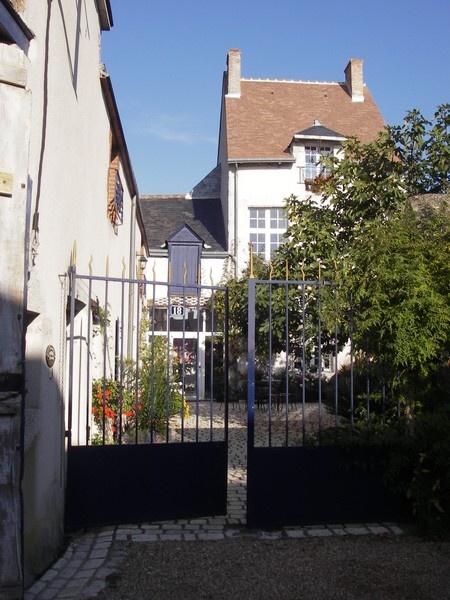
(147, 421)
(302, 391)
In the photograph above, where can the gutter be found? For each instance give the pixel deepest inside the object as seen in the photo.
(249, 161)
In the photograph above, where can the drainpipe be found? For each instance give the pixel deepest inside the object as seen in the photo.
(131, 275)
(236, 197)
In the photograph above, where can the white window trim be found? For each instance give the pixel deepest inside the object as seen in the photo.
(266, 231)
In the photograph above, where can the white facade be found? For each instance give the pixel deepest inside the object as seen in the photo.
(261, 186)
(60, 143)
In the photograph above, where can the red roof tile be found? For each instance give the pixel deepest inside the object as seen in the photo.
(262, 122)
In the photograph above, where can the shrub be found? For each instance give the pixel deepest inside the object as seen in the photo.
(145, 399)
(419, 467)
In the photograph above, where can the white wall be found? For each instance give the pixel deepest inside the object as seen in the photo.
(260, 187)
(57, 146)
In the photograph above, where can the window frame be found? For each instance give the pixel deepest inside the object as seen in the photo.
(263, 236)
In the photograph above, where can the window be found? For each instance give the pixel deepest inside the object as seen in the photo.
(313, 168)
(267, 229)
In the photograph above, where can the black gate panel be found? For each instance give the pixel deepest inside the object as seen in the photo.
(109, 485)
(307, 486)
(300, 397)
(147, 412)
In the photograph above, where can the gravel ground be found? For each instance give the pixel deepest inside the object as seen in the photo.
(351, 568)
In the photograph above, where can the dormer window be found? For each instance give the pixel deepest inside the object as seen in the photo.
(313, 145)
(313, 166)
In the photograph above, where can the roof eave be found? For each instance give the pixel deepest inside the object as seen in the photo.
(320, 137)
(13, 27)
(105, 14)
(274, 160)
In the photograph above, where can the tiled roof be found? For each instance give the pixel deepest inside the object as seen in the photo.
(164, 215)
(262, 122)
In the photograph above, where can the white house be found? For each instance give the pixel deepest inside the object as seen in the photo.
(272, 135)
(67, 196)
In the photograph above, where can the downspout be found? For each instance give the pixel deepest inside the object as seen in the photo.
(131, 275)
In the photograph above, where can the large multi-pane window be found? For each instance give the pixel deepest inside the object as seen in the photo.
(313, 168)
(267, 228)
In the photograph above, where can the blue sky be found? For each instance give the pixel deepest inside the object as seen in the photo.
(166, 60)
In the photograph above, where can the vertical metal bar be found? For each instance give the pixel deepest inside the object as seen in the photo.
(352, 401)
(88, 369)
(116, 350)
(183, 353)
(212, 337)
(105, 351)
(211, 360)
(226, 363)
(251, 368)
(72, 275)
(286, 308)
(137, 370)
(121, 365)
(151, 387)
(335, 359)
(319, 357)
(303, 363)
(269, 401)
(367, 382)
(168, 370)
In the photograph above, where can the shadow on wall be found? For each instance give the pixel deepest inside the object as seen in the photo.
(32, 464)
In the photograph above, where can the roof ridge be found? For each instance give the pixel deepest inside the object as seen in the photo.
(162, 196)
(256, 79)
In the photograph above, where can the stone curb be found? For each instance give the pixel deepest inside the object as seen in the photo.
(91, 557)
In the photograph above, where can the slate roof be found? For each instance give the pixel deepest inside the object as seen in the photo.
(261, 123)
(163, 216)
(319, 131)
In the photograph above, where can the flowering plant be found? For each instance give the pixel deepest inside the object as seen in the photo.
(112, 403)
(144, 401)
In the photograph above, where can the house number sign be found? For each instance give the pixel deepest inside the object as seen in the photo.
(50, 356)
(177, 311)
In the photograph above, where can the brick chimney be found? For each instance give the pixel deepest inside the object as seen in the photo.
(354, 79)
(234, 73)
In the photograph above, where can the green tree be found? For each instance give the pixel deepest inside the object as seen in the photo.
(423, 148)
(363, 234)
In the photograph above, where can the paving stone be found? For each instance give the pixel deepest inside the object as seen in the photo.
(86, 573)
(270, 535)
(101, 553)
(338, 530)
(295, 533)
(211, 536)
(70, 592)
(378, 529)
(145, 537)
(170, 537)
(94, 563)
(102, 544)
(322, 532)
(396, 530)
(93, 588)
(50, 574)
(357, 530)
